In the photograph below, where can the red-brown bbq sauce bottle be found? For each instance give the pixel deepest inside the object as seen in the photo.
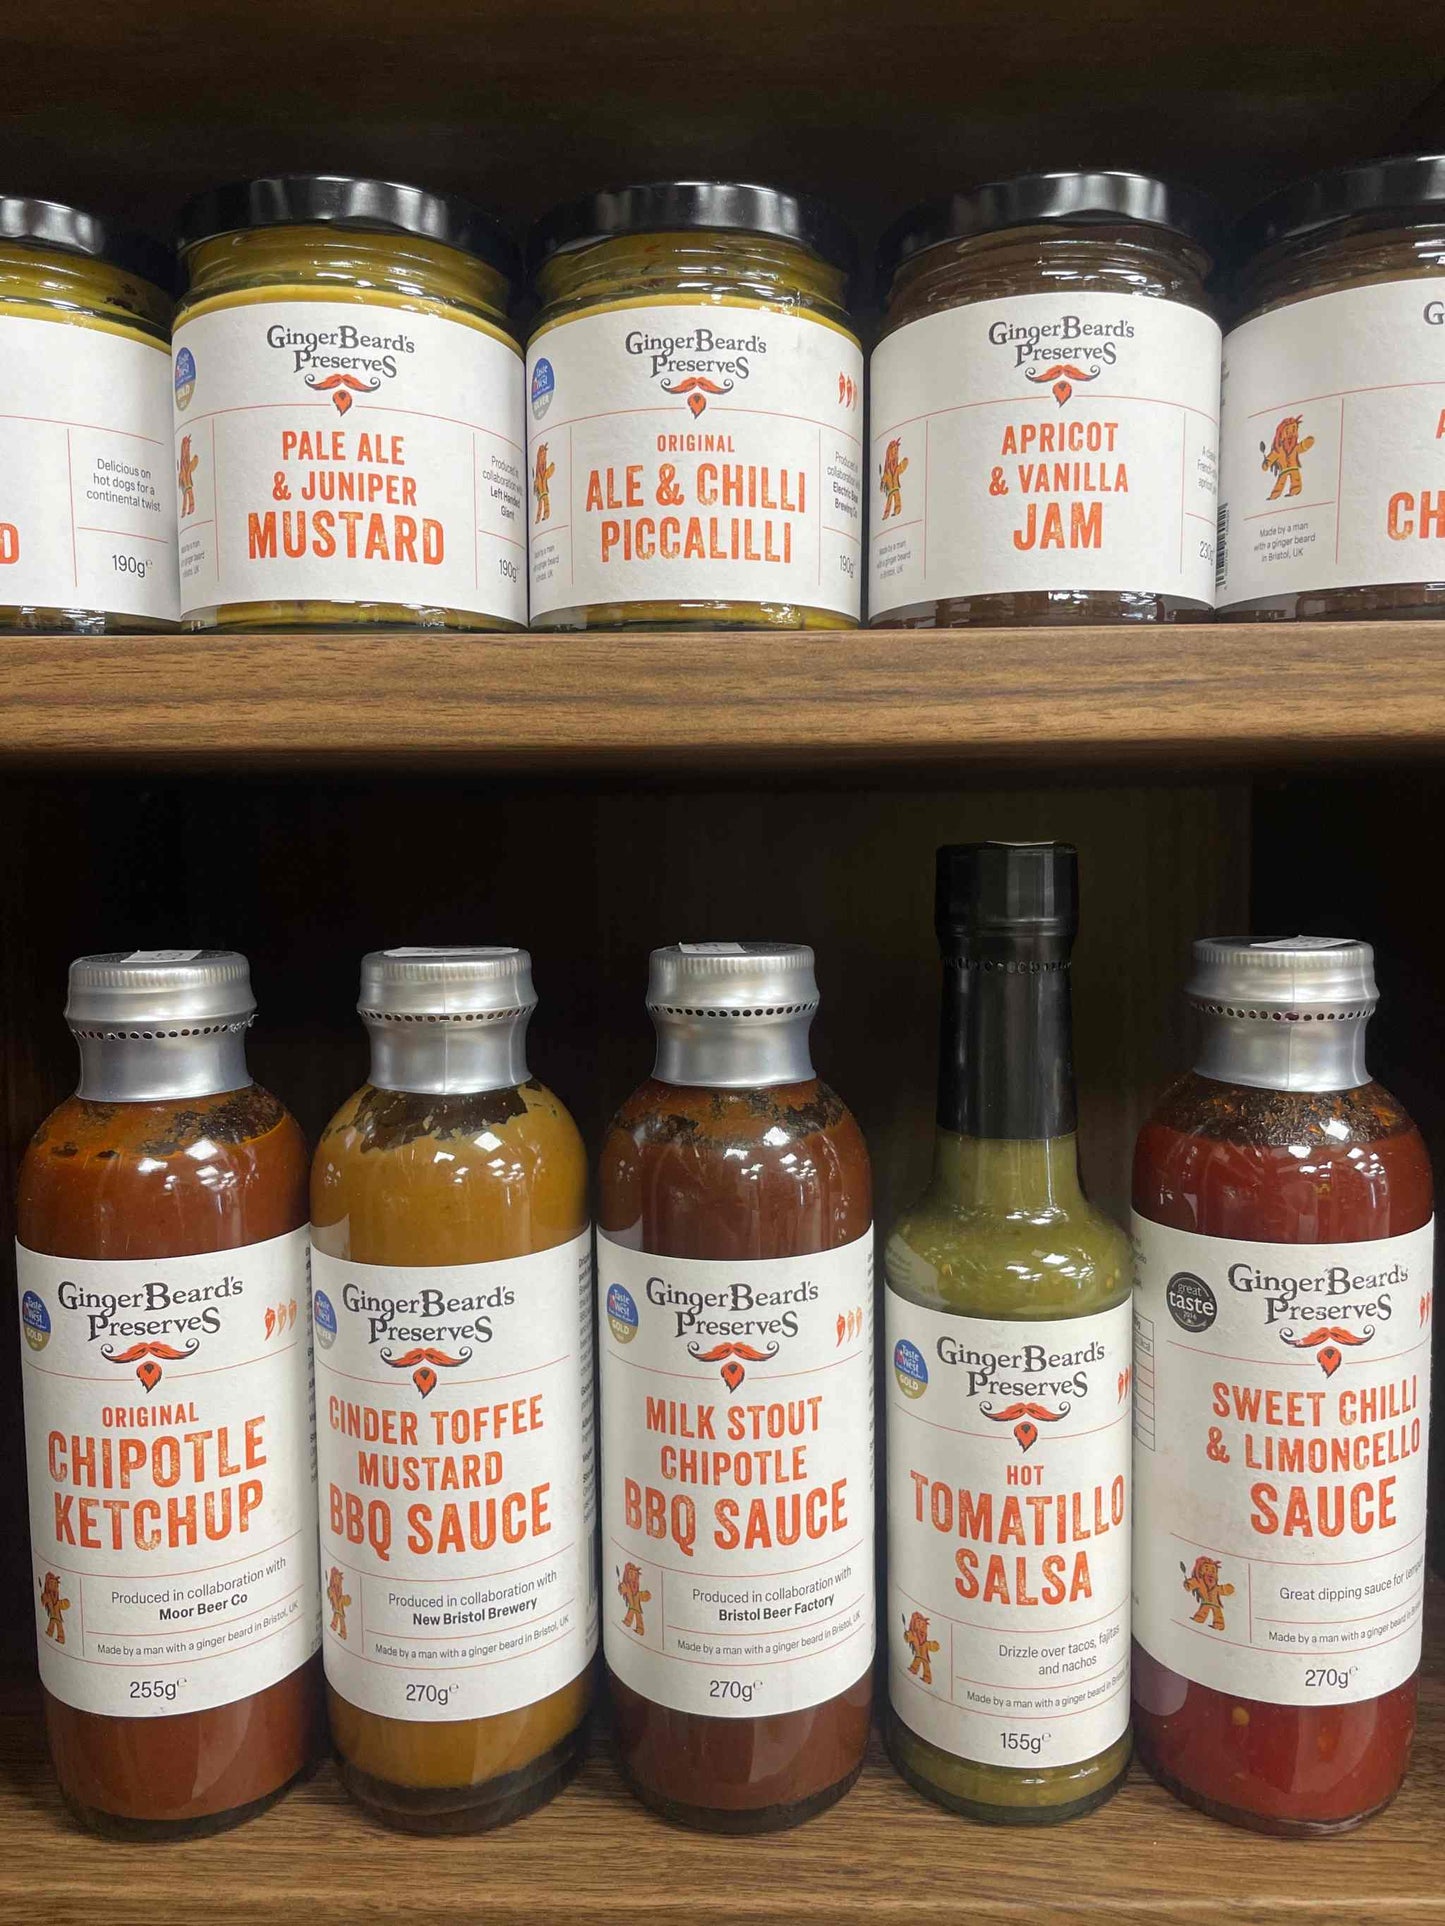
(165, 1320)
(735, 1281)
(1282, 1216)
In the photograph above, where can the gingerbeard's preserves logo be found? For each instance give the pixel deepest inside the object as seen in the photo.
(1064, 354)
(731, 1356)
(743, 1323)
(179, 1316)
(420, 1360)
(1284, 456)
(1326, 1343)
(890, 478)
(1025, 1415)
(697, 364)
(341, 361)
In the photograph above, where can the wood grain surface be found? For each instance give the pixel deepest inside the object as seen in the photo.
(1081, 699)
(594, 1858)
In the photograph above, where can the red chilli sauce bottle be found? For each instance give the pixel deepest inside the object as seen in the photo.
(169, 1426)
(735, 1281)
(1283, 1222)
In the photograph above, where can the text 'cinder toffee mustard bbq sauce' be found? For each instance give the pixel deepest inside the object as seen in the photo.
(168, 1416)
(1045, 407)
(87, 509)
(1007, 1353)
(1282, 1219)
(348, 410)
(694, 412)
(1332, 457)
(735, 1284)
(452, 1267)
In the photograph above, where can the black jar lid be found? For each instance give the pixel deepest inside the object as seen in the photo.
(346, 200)
(1085, 199)
(1402, 185)
(72, 231)
(670, 207)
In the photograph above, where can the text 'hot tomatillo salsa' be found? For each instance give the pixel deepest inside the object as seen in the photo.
(348, 409)
(1332, 482)
(694, 412)
(1045, 406)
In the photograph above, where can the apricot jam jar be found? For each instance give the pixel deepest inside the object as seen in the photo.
(1332, 472)
(87, 506)
(1045, 404)
(694, 413)
(348, 410)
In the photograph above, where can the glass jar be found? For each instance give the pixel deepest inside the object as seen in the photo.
(1045, 403)
(87, 508)
(695, 394)
(1332, 479)
(348, 410)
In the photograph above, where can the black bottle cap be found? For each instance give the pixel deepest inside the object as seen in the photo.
(662, 207)
(72, 230)
(1407, 187)
(1028, 892)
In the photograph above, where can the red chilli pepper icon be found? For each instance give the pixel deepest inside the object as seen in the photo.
(1326, 1344)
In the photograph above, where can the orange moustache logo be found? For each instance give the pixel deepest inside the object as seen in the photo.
(732, 1372)
(419, 1362)
(336, 386)
(1326, 1342)
(1026, 1419)
(143, 1355)
(697, 388)
(1064, 375)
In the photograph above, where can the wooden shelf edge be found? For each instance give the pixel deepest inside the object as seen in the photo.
(1221, 694)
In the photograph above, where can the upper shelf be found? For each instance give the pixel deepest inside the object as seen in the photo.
(1072, 699)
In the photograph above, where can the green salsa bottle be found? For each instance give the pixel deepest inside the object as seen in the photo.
(1008, 1385)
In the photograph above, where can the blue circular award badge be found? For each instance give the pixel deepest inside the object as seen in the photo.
(544, 386)
(909, 1369)
(323, 1317)
(185, 378)
(35, 1321)
(621, 1313)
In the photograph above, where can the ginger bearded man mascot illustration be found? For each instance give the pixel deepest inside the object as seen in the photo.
(1282, 459)
(55, 1608)
(186, 476)
(915, 1637)
(542, 474)
(890, 478)
(1203, 1584)
(338, 1598)
(629, 1585)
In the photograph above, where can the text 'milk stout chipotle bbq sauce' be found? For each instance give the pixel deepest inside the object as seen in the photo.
(1283, 1226)
(165, 1318)
(694, 412)
(1007, 1360)
(1332, 461)
(735, 1281)
(452, 1272)
(1045, 407)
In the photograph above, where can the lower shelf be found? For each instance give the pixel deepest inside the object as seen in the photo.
(594, 1856)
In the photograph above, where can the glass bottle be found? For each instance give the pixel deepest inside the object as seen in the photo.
(735, 1285)
(168, 1414)
(1283, 1222)
(452, 1263)
(1008, 1360)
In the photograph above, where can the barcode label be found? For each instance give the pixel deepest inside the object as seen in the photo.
(1221, 546)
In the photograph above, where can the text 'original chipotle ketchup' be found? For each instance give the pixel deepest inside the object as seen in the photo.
(735, 1278)
(1282, 1216)
(165, 1314)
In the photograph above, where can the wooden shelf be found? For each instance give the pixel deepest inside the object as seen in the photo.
(594, 1856)
(1219, 695)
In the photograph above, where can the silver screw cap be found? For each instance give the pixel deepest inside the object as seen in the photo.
(1288, 976)
(439, 985)
(738, 980)
(172, 993)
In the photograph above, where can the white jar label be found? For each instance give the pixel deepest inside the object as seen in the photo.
(87, 503)
(1046, 441)
(1332, 471)
(171, 1452)
(454, 1409)
(737, 1477)
(1008, 1532)
(696, 452)
(1281, 1421)
(348, 452)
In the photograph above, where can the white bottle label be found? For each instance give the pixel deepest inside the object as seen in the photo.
(346, 452)
(170, 1444)
(87, 503)
(1008, 1532)
(1046, 441)
(737, 1477)
(703, 452)
(1281, 1422)
(454, 1407)
(1332, 469)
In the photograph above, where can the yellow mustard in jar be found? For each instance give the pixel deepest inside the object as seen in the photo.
(1332, 470)
(348, 410)
(1045, 407)
(694, 413)
(87, 509)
